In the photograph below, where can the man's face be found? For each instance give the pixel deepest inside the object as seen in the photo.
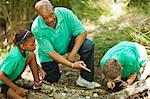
(49, 18)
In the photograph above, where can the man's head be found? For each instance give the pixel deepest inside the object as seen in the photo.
(45, 9)
(112, 69)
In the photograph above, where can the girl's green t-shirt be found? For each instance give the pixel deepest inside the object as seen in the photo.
(13, 64)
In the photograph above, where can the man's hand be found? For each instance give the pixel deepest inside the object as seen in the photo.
(111, 84)
(21, 91)
(80, 65)
(71, 57)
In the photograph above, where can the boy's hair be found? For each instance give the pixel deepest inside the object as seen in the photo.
(21, 36)
(112, 68)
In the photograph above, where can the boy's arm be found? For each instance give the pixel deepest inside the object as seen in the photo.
(131, 78)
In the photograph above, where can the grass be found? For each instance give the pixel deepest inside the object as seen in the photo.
(105, 40)
(135, 29)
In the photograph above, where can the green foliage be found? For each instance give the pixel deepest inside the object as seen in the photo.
(141, 34)
(82, 8)
(17, 14)
(62, 3)
(140, 6)
(135, 28)
(4, 50)
(86, 9)
(20, 13)
(111, 34)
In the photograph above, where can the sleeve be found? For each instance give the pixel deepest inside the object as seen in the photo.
(74, 23)
(134, 66)
(42, 41)
(9, 65)
(101, 63)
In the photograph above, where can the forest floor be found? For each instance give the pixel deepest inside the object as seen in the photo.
(66, 87)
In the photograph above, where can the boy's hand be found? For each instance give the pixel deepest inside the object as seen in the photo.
(129, 81)
(111, 84)
(123, 84)
(21, 91)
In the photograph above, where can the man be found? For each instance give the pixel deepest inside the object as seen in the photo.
(59, 31)
(123, 62)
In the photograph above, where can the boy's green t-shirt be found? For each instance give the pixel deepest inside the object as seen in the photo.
(13, 64)
(131, 56)
(50, 39)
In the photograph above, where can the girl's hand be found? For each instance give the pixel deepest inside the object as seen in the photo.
(21, 91)
(42, 73)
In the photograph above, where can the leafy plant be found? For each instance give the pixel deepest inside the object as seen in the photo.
(16, 14)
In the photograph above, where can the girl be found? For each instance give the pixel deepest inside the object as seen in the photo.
(14, 63)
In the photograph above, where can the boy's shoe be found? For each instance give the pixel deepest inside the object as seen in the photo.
(97, 85)
(37, 86)
(84, 83)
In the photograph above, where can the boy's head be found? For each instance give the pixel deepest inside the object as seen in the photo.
(25, 40)
(112, 69)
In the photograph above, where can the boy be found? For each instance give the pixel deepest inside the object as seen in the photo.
(123, 62)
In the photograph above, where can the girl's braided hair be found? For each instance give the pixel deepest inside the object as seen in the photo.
(21, 36)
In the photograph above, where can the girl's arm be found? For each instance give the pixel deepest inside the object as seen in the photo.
(7, 81)
(42, 72)
(18, 90)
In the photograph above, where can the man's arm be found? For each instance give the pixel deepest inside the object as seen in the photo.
(78, 42)
(60, 59)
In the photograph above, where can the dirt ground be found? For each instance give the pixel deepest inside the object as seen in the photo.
(66, 87)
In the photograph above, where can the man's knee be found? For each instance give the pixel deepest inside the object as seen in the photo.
(88, 46)
(52, 70)
(53, 78)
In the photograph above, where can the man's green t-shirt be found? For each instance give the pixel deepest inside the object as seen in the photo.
(131, 56)
(13, 64)
(50, 39)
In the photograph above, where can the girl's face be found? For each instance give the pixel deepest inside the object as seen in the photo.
(29, 44)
